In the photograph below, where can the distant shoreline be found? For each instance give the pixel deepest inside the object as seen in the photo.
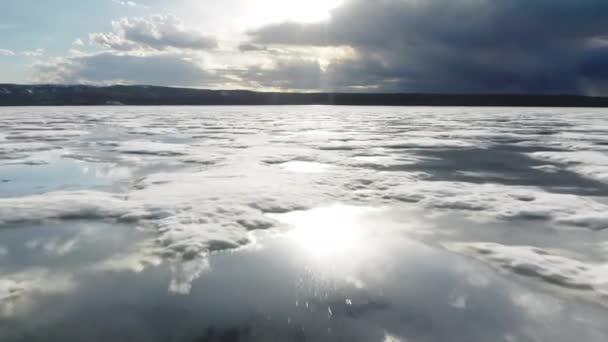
(80, 95)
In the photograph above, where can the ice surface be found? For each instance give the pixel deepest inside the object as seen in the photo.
(205, 180)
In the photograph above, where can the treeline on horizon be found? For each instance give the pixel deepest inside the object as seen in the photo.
(81, 95)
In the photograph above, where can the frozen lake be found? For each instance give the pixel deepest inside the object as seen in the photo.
(306, 223)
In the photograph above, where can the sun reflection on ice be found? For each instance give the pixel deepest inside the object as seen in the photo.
(305, 167)
(329, 231)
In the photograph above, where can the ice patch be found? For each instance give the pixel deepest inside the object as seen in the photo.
(547, 168)
(183, 273)
(46, 135)
(9, 148)
(391, 338)
(590, 164)
(191, 214)
(540, 263)
(153, 148)
(428, 142)
(504, 202)
(66, 206)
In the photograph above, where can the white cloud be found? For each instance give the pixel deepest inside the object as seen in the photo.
(128, 3)
(125, 3)
(108, 68)
(27, 53)
(33, 53)
(157, 32)
(5, 52)
(78, 42)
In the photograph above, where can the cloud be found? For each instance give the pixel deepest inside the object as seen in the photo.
(469, 46)
(284, 75)
(78, 42)
(28, 53)
(125, 3)
(33, 53)
(246, 47)
(5, 52)
(158, 32)
(108, 68)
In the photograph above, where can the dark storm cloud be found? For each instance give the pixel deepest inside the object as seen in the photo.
(111, 68)
(541, 46)
(248, 47)
(286, 75)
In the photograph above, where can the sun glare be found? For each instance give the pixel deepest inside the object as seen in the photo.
(299, 10)
(329, 231)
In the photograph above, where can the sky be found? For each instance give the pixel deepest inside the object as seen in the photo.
(430, 46)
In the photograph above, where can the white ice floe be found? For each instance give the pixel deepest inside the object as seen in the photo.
(590, 164)
(67, 205)
(497, 201)
(547, 168)
(183, 273)
(542, 264)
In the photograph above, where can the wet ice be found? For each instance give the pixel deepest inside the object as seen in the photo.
(357, 186)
